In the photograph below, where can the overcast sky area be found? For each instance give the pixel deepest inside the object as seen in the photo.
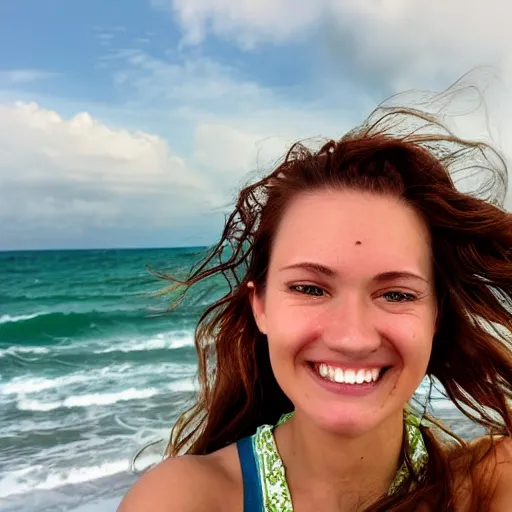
(132, 124)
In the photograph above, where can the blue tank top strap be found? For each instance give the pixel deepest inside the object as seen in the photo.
(264, 474)
(253, 501)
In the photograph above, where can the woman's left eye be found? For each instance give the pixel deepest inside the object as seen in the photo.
(308, 289)
(399, 297)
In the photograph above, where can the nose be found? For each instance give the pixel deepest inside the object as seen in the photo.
(349, 328)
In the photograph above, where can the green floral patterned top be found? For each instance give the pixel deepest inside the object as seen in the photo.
(272, 478)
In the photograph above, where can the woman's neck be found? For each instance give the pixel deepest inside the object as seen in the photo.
(348, 468)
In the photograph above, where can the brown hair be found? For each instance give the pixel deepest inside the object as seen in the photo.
(408, 153)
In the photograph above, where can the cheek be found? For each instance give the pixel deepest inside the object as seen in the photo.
(412, 339)
(290, 329)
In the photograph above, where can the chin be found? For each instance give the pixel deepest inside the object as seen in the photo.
(346, 422)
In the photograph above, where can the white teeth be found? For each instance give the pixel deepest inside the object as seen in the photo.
(339, 375)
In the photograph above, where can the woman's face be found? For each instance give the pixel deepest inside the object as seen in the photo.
(349, 307)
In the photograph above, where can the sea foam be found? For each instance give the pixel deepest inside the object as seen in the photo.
(5, 319)
(162, 341)
(32, 478)
(93, 399)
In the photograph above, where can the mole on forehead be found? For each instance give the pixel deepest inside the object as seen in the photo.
(358, 242)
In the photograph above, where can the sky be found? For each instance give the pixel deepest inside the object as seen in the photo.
(133, 124)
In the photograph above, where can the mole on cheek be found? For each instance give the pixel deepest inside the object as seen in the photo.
(358, 242)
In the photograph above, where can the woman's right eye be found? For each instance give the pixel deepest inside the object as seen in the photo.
(308, 289)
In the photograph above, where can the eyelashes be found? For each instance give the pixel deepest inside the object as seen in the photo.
(393, 296)
(308, 289)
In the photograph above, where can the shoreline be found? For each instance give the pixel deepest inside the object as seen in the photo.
(106, 494)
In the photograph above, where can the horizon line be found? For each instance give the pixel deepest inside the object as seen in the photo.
(150, 248)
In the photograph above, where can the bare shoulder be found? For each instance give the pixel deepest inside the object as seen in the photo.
(189, 483)
(498, 460)
(502, 501)
(493, 470)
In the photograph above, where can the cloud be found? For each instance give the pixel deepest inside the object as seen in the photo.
(405, 41)
(414, 43)
(388, 46)
(78, 175)
(198, 81)
(213, 142)
(201, 90)
(74, 176)
(23, 76)
(234, 123)
(236, 155)
(226, 109)
(248, 22)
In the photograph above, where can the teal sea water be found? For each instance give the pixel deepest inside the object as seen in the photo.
(91, 369)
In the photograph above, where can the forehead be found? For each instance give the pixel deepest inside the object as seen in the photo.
(346, 227)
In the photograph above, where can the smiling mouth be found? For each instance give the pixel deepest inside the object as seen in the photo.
(353, 376)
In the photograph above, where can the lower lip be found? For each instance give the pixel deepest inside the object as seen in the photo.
(345, 389)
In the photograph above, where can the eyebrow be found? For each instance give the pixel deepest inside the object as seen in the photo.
(329, 272)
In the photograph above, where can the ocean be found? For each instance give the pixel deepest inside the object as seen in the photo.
(92, 368)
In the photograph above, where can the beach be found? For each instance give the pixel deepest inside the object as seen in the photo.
(101, 495)
(92, 369)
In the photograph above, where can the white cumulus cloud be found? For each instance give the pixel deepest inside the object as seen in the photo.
(69, 176)
(404, 40)
(80, 174)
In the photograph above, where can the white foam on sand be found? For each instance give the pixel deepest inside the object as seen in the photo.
(30, 479)
(109, 505)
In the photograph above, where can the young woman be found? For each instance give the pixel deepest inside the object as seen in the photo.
(355, 270)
